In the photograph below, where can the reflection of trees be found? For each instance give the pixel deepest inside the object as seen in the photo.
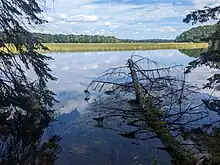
(193, 52)
(155, 103)
(20, 141)
(26, 106)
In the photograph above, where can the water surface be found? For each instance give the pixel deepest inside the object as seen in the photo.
(82, 142)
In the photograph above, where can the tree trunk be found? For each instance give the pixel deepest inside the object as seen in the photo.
(151, 113)
(138, 89)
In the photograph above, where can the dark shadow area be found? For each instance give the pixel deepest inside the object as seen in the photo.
(21, 143)
(84, 143)
(193, 52)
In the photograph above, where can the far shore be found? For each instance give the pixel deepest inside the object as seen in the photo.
(90, 47)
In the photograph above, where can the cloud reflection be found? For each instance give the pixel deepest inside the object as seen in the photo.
(76, 70)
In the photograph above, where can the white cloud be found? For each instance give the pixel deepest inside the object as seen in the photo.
(161, 29)
(73, 23)
(49, 19)
(86, 31)
(83, 18)
(202, 3)
(76, 18)
(107, 23)
(166, 29)
(119, 19)
(136, 32)
(62, 22)
(61, 16)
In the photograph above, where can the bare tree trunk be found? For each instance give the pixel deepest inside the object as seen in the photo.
(151, 113)
(137, 86)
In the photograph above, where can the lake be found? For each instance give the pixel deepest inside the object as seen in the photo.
(82, 142)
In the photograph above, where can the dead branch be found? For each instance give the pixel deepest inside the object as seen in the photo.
(161, 103)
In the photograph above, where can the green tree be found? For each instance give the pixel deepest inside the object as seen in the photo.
(210, 58)
(197, 34)
(26, 106)
(17, 90)
(209, 139)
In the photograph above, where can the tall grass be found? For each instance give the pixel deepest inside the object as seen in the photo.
(83, 47)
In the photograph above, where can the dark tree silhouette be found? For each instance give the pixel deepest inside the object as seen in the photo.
(204, 15)
(25, 104)
(18, 92)
(21, 143)
(210, 58)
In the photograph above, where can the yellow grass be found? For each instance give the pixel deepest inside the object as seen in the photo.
(83, 47)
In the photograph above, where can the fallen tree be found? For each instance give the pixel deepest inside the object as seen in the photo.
(156, 99)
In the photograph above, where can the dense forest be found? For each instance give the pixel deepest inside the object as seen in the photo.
(71, 38)
(197, 34)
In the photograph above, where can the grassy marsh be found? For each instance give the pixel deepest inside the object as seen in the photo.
(91, 47)
(84, 47)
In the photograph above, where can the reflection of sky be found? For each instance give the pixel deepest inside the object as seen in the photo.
(76, 70)
(81, 142)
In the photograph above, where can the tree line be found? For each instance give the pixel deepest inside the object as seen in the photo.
(147, 40)
(71, 38)
(197, 34)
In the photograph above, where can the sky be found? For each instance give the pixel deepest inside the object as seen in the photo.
(135, 19)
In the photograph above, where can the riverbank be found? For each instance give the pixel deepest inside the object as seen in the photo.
(86, 47)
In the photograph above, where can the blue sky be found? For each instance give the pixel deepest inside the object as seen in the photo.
(137, 19)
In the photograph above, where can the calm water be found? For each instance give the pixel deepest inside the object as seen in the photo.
(82, 142)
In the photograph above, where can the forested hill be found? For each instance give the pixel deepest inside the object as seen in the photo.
(197, 34)
(71, 38)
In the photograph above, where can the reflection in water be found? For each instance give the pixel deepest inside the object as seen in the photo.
(20, 141)
(193, 52)
(76, 70)
(81, 142)
(166, 98)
